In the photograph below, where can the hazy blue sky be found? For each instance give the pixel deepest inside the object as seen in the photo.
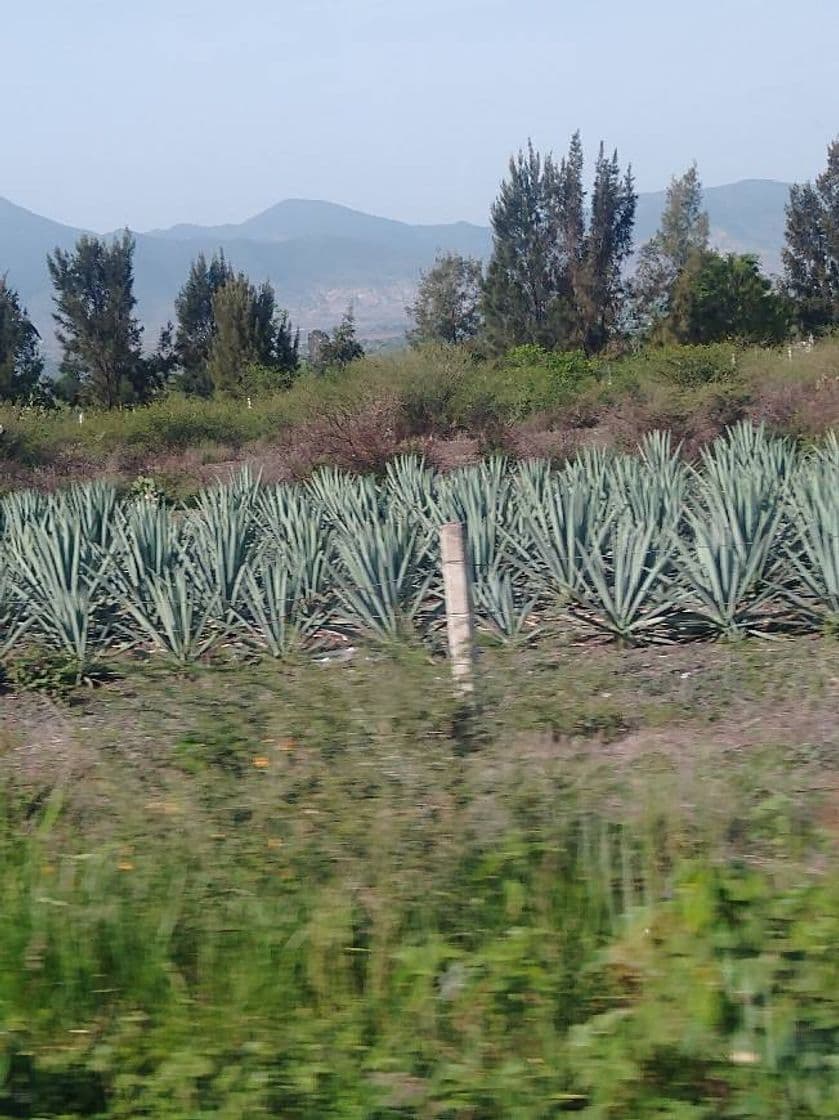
(160, 111)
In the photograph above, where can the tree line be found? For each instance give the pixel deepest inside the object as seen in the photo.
(559, 274)
(558, 277)
(229, 335)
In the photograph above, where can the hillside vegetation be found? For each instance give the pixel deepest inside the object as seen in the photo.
(439, 402)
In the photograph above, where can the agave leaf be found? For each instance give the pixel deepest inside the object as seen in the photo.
(500, 605)
(813, 548)
(61, 573)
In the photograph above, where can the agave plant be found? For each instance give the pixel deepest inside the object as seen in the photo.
(650, 487)
(346, 500)
(730, 558)
(504, 607)
(385, 580)
(174, 612)
(555, 530)
(62, 575)
(481, 498)
(93, 505)
(276, 608)
(14, 619)
(626, 588)
(223, 541)
(297, 533)
(813, 547)
(410, 488)
(148, 541)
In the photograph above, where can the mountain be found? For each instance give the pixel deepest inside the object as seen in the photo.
(297, 218)
(321, 256)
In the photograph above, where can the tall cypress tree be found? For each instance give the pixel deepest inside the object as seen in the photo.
(195, 321)
(553, 280)
(520, 290)
(600, 287)
(21, 361)
(811, 256)
(96, 325)
(232, 349)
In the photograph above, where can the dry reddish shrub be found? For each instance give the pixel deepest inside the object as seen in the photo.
(357, 438)
(533, 440)
(797, 408)
(448, 454)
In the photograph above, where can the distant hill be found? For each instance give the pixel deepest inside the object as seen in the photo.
(320, 256)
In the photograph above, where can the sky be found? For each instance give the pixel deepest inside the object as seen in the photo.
(147, 114)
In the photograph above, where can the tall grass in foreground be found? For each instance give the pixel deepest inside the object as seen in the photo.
(345, 954)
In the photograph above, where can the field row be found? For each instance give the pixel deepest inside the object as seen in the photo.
(644, 547)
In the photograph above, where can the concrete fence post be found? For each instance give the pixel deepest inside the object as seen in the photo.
(459, 620)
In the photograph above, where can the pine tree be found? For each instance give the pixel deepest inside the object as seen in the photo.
(447, 307)
(551, 280)
(232, 348)
(684, 230)
(21, 361)
(522, 282)
(811, 256)
(96, 325)
(195, 321)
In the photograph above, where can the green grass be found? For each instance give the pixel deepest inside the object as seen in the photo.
(321, 890)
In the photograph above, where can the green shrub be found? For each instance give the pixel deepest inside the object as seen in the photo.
(680, 365)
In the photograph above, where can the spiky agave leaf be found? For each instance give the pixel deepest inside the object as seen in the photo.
(481, 499)
(296, 532)
(828, 451)
(555, 529)
(410, 487)
(728, 559)
(649, 487)
(223, 540)
(93, 505)
(22, 508)
(748, 451)
(147, 541)
(14, 619)
(346, 500)
(62, 575)
(503, 607)
(174, 612)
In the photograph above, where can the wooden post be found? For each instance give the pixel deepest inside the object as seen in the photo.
(459, 620)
